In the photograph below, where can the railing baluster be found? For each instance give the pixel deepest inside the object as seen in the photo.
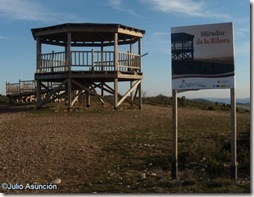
(83, 58)
(86, 58)
(92, 59)
(79, 58)
(96, 60)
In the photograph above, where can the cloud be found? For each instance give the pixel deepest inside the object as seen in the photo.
(115, 3)
(120, 6)
(31, 11)
(188, 8)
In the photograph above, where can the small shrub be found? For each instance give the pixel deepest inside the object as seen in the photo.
(215, 168)
(182, 101)
(211, 108)
(189, 181)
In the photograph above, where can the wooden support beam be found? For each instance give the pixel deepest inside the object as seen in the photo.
(50, 94)
(93, 86)
(140, 95)
(111, 91)
(69, 91)
(128, 92)
(76, 97)
(131, 83)
(140, 52)
(60, 95)
(87, 89)
(135, 95)
(46, 87)
(80, 98)
(88, 98)
(56, 96)
(116, 94)
(38, 54)
(116, 52)
(69, 51)
(38, 94)
(102, 92)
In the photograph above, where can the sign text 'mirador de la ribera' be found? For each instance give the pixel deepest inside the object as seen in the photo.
(202, 56)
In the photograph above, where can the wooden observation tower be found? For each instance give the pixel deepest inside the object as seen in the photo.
(93, 56)
(182, 47)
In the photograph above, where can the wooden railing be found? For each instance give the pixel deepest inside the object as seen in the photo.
(89, 61)
(20, 87)
(27, 86)
(128, 62)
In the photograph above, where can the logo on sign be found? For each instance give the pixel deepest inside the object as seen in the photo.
(191, 84)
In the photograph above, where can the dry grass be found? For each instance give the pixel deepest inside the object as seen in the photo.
(101, 150)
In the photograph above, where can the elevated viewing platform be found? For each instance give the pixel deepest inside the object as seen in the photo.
(91, 65)
(112, 54)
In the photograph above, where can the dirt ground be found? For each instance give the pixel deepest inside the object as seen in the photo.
(53, 145)
(39, 147)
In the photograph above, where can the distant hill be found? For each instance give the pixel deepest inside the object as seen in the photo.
(200, 100)
(225, 100)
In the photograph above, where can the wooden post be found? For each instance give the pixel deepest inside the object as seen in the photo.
(102, 89)
(69, 91)
(80, 98)
(38, 55)
(66, 57)
(88, 98)
(69, 51)
(38, 94)
(92, 60)
(116, 52)
(131, 82)
(69, 88)
(116, 94)
(116, 70)
(52, 61)
(140, 95)
(140, 89)
(102, 69)
(131, 94)
(102, 57)
(233, 166)
(140, 53)
(174, 168)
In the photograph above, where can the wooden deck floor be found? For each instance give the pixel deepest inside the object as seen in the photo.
(90, 76)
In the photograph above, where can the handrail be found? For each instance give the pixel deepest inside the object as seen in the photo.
(89, 61)
(26, 86)
(20, 87)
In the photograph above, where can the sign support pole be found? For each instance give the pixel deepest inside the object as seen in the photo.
(174, 168)
(233, 166)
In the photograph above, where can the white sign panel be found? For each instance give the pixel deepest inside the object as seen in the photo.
(203, 57)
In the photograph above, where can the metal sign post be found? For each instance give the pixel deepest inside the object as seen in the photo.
(174, 168)
(233, 166)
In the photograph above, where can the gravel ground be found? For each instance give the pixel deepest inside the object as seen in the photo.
(43, 147)
(64, 148)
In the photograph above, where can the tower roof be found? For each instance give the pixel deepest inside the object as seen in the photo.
(176, 37)
(87, 34)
